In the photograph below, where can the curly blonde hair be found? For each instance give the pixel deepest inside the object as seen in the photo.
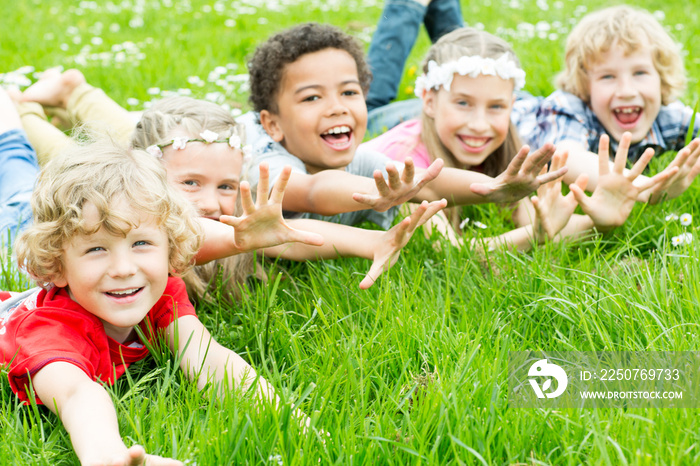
(630, 28)
(102, 173)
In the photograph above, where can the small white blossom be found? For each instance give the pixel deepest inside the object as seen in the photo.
(179, 143)
(209, 136)
(235, 141)
(687, 238)
(464, 223)
(480, 225)
(154, 151)
(686, 219)
(671, 217)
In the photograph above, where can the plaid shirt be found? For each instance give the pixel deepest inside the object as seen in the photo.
(565, 117)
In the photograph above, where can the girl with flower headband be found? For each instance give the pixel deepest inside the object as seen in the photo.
(467, 91)
(201, 146)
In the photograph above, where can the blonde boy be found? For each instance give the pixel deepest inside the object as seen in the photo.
(307, 88)
(623, 73)
(107, 237)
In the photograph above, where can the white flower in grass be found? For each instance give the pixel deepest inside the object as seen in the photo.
(209, 136)
(154, 151)
(464, 223)
(179, 143)
(480, 225)
(671, 217)
(235, 141)
(684, 238)
(686, 219)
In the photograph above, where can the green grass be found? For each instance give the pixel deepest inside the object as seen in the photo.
(413, 371)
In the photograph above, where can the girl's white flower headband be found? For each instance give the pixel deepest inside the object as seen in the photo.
(207, 137)
(442, 75)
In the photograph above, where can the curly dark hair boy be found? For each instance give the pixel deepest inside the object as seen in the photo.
(266, 68)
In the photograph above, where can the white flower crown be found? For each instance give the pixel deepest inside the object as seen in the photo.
(442, 75)
(207, 137)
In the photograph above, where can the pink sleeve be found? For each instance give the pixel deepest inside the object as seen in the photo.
(400, 142)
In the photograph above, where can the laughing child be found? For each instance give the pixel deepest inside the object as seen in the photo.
(107, 245)
(307, 89)
(623, 73)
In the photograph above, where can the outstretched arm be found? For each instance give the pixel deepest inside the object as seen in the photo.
(260, 226)
(382, 247)
(522, 177)
(88, 414)
(330, 192)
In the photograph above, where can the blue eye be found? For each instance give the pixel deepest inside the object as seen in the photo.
(141, 243)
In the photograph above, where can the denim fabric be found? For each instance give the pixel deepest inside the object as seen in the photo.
(392, 42)
(382, 119)
(18, 172)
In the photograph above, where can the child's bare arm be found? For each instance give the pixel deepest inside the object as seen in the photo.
(331, 192)
(522, 177)
(260, 226)
(382, 247)
(204, 360)
(88, 414)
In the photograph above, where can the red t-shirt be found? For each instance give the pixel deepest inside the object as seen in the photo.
(49, 326)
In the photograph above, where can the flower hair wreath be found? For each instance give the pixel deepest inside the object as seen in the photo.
(442, 75)
(207, 137)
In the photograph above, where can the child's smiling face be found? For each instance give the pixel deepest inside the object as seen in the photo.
(472, 118)
(117, 278)
(625, 91)
(207, 174)
(322, 116)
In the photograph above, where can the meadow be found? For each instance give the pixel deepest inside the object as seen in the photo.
(414, 370)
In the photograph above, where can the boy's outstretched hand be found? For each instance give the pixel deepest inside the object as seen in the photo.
(136, 456)
(688, 162)
(400, 188)
(522, 177)
(553, 210)
(262, 225)
(389, 245)
(614, 197)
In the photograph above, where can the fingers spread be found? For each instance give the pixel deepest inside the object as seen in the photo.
(247, 199)
(263, 183)
(280, 186)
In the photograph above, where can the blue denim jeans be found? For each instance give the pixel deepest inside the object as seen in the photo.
(18, 172)
(395, 36)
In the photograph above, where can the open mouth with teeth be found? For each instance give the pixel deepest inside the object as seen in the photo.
(123, 293)
(338, 137)
(473, 144)
(627, 116)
